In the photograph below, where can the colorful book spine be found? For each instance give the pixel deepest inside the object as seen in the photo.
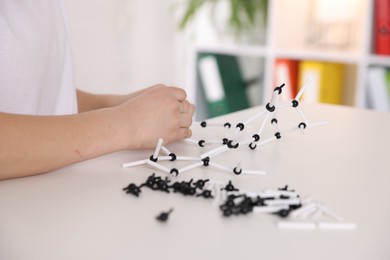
(326, 81)
(213, 87)
(388, 82)
(223, 84)
(286, 71)
(378, 97)
(382, 27)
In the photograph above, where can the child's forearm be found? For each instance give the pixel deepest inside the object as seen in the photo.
(37, 144)
(88, 101)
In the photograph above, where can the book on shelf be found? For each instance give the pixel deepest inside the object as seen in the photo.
(388, 82)
(382, 27)
(222, 83)
(325, 81)
(286, 71)
(378, 81)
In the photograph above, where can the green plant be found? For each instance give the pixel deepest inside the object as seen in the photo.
(243, 13)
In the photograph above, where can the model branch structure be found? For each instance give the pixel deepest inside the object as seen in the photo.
(297, 213)
(235, 136)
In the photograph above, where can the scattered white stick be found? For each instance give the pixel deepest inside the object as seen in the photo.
(282, 202)
(253, 172)
(297, 225)
(336, 226)
(269, 209)
(131, 164)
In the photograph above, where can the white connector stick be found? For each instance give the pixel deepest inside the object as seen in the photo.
(283, 202)
(269, 209)
(221, 167)
(191, 140)
(253, 172)
(289, 131)
(278, 193)
(305, 85)
(131, 164)
(179, 158)
(238, 167)
(336, 226)
(211, 142)
(267, 140)
(158, 166)
(164, 158)
(187, 158)
(255, 117)
(264, 194)
(318, 123)
(274, 98)
(214, 152)
(302, 115)
(190, 167)
(165, 150)
(247, 141)
(284, 105)
(263, 124)
(297, 225)
(158, 147)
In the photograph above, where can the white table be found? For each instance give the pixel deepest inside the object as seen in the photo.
(81, 212)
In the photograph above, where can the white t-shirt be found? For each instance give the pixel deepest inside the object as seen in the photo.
(36, 75)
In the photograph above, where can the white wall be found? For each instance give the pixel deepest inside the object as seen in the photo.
(122, 45)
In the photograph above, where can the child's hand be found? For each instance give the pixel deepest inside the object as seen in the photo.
(158, 112)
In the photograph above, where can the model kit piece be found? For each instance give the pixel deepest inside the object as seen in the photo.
(163, 217)
(232, 139)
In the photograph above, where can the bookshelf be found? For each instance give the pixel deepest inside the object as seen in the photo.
(298, 43)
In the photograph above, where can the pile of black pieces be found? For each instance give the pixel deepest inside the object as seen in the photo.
(187, 188)
(235, 204)
(246, 204)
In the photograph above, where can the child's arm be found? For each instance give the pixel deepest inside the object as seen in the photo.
(37, 144)
(88, 101)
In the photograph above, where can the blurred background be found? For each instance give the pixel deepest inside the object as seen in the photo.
(122, 45)
(230, 54)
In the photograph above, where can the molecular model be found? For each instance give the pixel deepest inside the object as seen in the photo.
(297, 213)
(233, 138)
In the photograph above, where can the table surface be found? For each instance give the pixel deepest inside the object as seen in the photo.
(81, 211)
